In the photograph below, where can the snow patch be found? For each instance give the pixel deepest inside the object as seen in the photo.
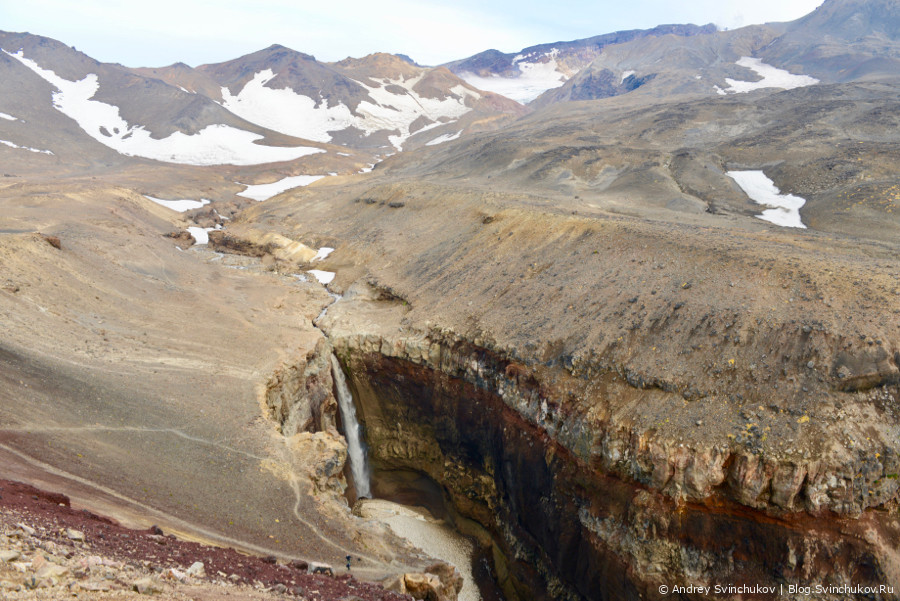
(261, 192)
(785, 208)
(536, 76)
(322, 253)
(398, 111)
(213, 145)
(772, 77)
(28, 148)
(179, 205)
(536, 56)
(626, 75)
(298, 115)
(324, 277)
(7, 117)
(420, 130)
(200, 234)
(444, 138)
(286, 111)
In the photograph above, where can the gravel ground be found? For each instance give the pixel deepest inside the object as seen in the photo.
(49, 550)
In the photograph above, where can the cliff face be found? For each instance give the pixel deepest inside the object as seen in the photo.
(580, 505)
(299, 393)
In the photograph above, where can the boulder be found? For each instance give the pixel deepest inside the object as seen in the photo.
(49, 575)
(427, 587)
(26, 529)
(320, 568)
(451, 579)
(147, 586)
(9, 555)
(53, 241)
(394, 583)
(196, 570)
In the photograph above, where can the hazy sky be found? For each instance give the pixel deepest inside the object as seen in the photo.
(160, 32)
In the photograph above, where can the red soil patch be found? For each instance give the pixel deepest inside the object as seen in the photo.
(50, 514)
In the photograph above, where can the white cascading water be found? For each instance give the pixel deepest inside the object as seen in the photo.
(359, 464)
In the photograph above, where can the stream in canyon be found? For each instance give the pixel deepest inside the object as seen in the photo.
(414, 507)
(411, 506)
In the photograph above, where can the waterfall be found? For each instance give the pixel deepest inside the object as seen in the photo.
(359, 465)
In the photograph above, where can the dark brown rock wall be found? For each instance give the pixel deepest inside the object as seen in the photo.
(571, 529)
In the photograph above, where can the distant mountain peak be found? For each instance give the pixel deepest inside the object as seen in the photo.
(406, 58)
(524, 75)
(852, 19)
(273, 55)
(378, 65)
(383, 58)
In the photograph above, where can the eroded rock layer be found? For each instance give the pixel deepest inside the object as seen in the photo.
(578, 506)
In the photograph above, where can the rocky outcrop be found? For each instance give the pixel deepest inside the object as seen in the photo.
(299, 393)
(439, 582)
(299, 398)
(321, 457)
(183, 238)
(865, 370)
(581, 504)
(246, 240)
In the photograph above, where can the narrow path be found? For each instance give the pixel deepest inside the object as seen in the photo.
(189, 530)
(300, 494)
(83, 491)
(97, 428)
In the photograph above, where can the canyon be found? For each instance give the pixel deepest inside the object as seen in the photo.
(678, 443)
(566, 340)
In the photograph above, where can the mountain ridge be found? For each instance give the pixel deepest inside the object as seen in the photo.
(567, 58)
